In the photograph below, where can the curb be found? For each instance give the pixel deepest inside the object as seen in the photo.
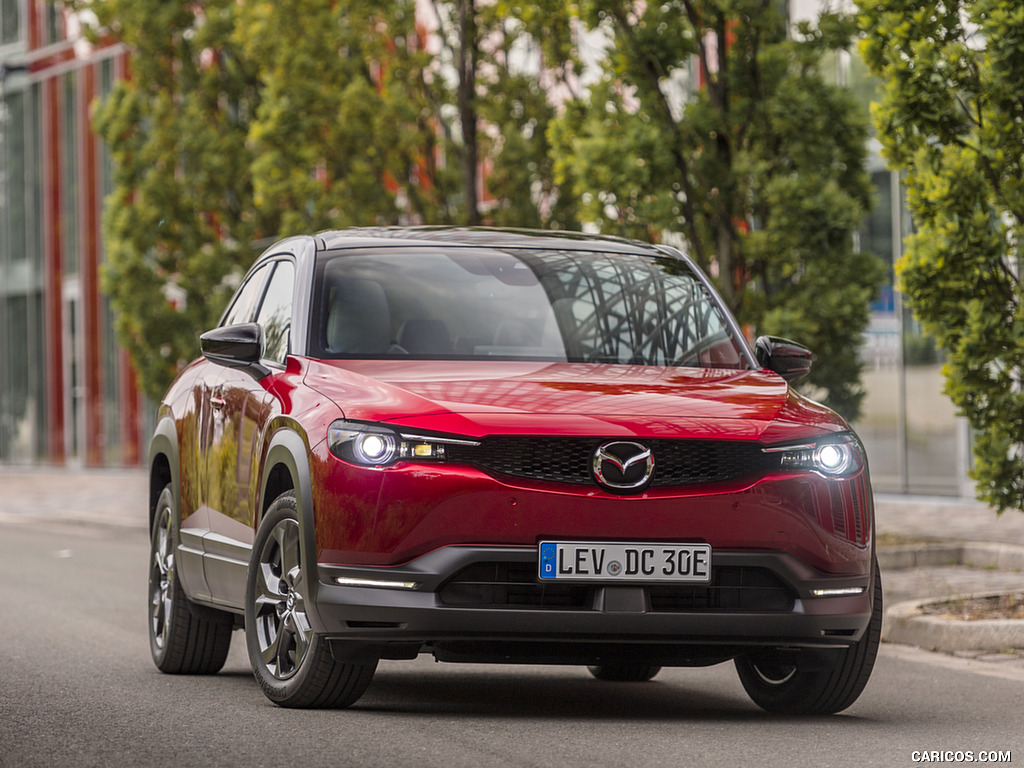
(1000, 557)
(905, 624)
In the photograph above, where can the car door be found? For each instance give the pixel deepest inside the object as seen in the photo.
(242, 408)
(199, 434)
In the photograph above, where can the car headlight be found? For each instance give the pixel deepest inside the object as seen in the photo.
(378, 445)
(833, 456)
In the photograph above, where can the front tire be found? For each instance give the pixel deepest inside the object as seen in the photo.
(781, 687)
(180, 641)
(291, 662)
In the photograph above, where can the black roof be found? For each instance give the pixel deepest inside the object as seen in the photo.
(361, 237)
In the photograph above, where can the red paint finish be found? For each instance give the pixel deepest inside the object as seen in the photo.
(588, 396)
(388, 516)
(370, 516)
(52, 261)
(34, 29)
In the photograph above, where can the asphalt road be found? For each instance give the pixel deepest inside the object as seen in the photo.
(77, 688)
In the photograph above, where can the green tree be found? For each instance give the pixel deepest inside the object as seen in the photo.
(459, 33)
(951, 119)
(495, 58)
(750, 156)
(180, 218)
(242, 122)
(346, 119)
(516, 105)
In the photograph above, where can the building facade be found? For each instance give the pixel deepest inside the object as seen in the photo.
(67, 393)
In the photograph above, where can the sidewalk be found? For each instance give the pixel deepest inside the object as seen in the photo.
(115, 497)
(946, 519)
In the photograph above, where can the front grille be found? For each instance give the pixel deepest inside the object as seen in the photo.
(560, 460)
(689, 462)
(512, 585)
(732, 589)
(568, 460)
(516, 585)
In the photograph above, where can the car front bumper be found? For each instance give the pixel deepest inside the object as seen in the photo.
(486, 604)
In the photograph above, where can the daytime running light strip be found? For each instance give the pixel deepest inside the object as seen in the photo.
(347, 581)
(838, 591)
(439, 440)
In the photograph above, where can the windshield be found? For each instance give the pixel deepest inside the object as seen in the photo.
(566, 306)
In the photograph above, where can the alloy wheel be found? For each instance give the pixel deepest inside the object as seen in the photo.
(282, 628)
(161, 580)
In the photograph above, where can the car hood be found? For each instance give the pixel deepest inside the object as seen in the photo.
(482, 397)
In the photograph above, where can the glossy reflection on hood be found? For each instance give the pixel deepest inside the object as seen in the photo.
(416, 387)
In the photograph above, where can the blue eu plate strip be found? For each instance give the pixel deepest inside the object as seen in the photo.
(548, 558)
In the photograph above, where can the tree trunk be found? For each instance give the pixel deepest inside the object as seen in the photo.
(467, 106)
(731, 292)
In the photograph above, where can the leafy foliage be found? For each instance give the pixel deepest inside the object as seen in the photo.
(246, 121)
(750, 154)
(341, 112)
(180, 215)
(952, 120)
(242, 122)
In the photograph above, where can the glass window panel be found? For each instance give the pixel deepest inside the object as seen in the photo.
(275, 316)
(554, 305)
(13, 175)
(10, 21)
(37, 363)
(34, 178)
(54, 22)
(931, 417)
(242, 308)
(879, 426)
(111, 388)
(69, 175)
(20, 397)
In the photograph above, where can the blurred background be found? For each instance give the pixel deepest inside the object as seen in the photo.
(69, 394)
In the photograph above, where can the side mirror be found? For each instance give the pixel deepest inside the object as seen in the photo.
(235, 346)
(787, 358)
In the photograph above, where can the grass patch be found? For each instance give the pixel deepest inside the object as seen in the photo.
(1009, 606)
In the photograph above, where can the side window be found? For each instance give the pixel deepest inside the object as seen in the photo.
(275, 315)
(243, 307)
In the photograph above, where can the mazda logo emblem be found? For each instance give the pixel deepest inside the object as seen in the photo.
(623, 465)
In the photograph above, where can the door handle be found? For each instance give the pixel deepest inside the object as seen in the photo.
(216, 400)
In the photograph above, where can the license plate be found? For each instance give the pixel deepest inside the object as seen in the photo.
(632, 561)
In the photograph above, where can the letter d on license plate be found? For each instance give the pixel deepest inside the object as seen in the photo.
(621, 561)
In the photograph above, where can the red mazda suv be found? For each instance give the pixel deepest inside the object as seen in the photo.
(505, 446)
